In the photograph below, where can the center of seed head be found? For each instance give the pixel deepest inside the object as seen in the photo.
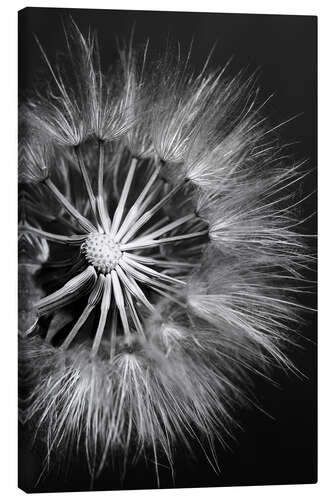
(102, 252)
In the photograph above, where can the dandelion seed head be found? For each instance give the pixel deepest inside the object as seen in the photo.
(172, 254)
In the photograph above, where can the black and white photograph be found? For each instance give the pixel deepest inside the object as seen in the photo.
(167, 250)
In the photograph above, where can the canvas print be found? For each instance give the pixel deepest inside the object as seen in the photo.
(167, 249)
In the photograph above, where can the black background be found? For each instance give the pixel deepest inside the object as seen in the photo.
(278, 450)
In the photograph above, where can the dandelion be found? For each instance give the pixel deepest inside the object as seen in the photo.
(172, 259)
